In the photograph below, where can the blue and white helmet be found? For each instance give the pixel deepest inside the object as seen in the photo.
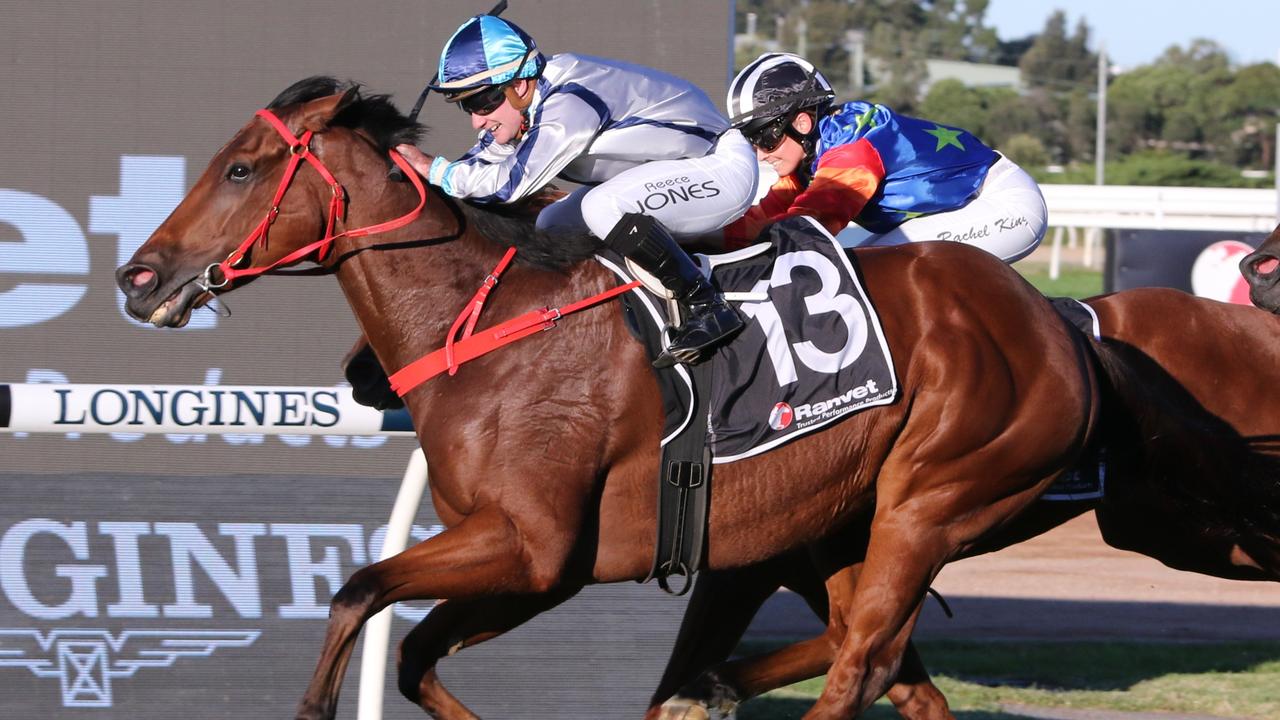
(486, 51)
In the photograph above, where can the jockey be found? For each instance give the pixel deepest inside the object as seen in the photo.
(655, 156)
(901, 178)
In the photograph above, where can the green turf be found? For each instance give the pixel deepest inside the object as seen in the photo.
(1230, 680)
(1073, 281)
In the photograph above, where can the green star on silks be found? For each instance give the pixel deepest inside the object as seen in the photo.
(909, 215)
(867, 118)
(945, 137)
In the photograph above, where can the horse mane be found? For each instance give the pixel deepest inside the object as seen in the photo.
(504, 224)
(514, 224)
(376, 115)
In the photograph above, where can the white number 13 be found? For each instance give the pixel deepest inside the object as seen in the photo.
(826, 300)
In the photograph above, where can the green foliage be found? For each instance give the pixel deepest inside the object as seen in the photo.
(1154, 168)
(992, 114)
(1058, 61)
(1164, 168)
(898, 34)
(1026, 150)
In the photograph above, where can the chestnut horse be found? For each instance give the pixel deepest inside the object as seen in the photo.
(1193, 445)
(543, 454)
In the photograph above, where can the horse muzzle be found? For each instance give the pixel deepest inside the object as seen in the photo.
(161, 304)
(1261, 269)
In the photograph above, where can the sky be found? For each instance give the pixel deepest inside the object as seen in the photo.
(1138, 31)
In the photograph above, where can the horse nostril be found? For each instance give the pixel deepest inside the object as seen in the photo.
(1260, 267)
(137, 280)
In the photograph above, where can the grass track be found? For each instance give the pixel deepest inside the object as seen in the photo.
(1230, 680)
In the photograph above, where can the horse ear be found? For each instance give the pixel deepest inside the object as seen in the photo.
(317, 114)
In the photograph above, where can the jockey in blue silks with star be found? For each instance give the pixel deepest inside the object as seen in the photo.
(653, 152)
(902, 179)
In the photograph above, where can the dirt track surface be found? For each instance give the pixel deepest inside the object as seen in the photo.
(1069, 585)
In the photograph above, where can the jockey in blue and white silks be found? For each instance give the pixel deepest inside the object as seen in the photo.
(656, 157)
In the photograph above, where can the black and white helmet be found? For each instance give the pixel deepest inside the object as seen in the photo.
(773, 86)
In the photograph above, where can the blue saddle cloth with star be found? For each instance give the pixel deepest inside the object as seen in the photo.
(928, 167)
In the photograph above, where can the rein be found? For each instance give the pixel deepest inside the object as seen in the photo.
(460, 345)
(300, 150)
(462, 348)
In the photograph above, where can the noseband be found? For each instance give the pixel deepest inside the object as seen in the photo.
(300, 150)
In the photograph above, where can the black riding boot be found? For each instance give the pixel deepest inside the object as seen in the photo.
(708, 319)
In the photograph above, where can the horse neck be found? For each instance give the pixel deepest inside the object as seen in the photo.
(406, 298)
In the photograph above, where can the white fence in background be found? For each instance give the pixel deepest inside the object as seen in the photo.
(221, 409)
(1082, 212)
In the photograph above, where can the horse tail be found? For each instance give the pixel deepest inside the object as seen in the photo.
(1162, 446)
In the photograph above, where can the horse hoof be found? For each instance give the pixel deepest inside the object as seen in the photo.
(682, 709)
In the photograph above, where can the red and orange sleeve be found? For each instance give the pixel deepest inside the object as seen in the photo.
(846, 178)
(744, 231)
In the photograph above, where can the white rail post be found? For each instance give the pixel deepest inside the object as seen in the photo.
(1055, 255)
(377, 631)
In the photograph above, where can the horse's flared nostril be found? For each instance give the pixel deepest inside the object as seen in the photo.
(1260, 268)
(136, 280)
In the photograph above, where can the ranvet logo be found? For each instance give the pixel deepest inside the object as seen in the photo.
(781, 416)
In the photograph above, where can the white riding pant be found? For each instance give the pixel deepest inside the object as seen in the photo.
(690, 196)
(1007, 218)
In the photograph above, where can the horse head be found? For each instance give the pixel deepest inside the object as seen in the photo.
(230, 227)
(1261, 269)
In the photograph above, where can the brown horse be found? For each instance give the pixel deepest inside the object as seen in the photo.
(1194, 457)
(1261, 269)
(543, 454)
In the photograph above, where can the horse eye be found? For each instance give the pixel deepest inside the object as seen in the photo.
(238, 172)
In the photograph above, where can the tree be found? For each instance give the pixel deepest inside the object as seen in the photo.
(1174, 103)
(953, 103)
(903, 68)
(1247, 110)
(1080, 127)
(1057, 61)
(1026, 150)
(899, 34)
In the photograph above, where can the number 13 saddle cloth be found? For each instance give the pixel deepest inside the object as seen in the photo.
(812, 353)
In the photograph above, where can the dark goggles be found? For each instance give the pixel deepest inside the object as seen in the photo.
(482, 102)
(769, 136)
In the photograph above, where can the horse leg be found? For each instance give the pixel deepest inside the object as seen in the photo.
(456, 624)
(729, 684)
(889, 595)
(484, 554)
(719, 610)
(912, 535)
(913, 693)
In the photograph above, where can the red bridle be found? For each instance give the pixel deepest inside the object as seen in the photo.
(299, 150)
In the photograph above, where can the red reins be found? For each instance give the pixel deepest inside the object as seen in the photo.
(300, 150)
(459, 349)
(461, 345)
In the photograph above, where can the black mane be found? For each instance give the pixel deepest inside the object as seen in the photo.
(506, 225)
(374, 114)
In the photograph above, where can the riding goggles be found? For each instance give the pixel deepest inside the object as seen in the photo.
(483, 101)
(769, 136)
